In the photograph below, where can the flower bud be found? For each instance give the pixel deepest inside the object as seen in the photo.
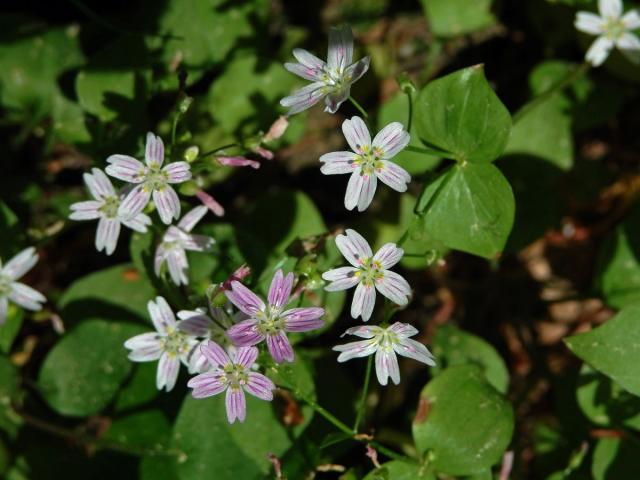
(191, 153)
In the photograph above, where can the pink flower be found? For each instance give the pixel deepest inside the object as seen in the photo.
(150, 179)
(277, 129)
(385, 343)
(270, 322)
(368, 162)
(233, 376)
(211, 203)
(369, 272)
(238, 162)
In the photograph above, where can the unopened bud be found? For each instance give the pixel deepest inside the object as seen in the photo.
(191, 153)
(277, 129)
(405, 83)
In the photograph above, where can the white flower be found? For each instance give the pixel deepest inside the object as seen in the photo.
(370, 161)
(105, 207)
(168, 343)
(150, 179)
(385, 343)
(11, 289)
(369, 272)
(332, 79)
(612, 29)
(176, 240)
(209, 327)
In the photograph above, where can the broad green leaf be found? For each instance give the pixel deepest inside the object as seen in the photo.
(84, 370)
(400, 470)
(618, 274)
(139, 389)
(9, 330)
(463, 423)
(118, 292)
(470, 208)
(615, 458)
(397, 110)
(106, 94)
(613, 348)
(460, 113)
(450, 18)
(245, 97)
(604, 402)
(452, 346)
(149, 429)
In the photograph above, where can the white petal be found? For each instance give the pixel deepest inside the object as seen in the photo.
(26, 297)
(387, 366)
(391, 139)
(394, 287)
(134, 202)
(631, 20)
(197, 243)
(338, 162)
(107, 234)
(313, 74)
(192, 217)
(146, 347)
(341, 278)
(354, 189)
(194, 323)
(357, 70)
(393, 175)
(335, 98)
(177, 172)
(340, 51)
(610, 8)
(88, 210)
(154, 150)
(416, 350)
(161, 315)
(178, 266)
(139, 223)
(308, 59)
(363, 302)
(126, 168)
(167, 374)
(357, 134)
(304, 98)
(364, 331)
(353, 247)
(388, 255)
(589, 23)
(99, 184)
(403, 330)
(20, 263)
(369, 184)
(599, 51)
(363, 348)
(628, 41)
(167, 203)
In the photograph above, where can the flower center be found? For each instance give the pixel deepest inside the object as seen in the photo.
(614, 28)
(110, 207)
(175, 343)
(370, 271)
(5, 285)
(234, 376)
(155, 179)
(369, 159)
(269, 321)
(386, 340)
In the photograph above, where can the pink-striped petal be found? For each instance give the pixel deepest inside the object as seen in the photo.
(354, 72)
(107, 234)
(341, 278)
(391, 139)
(362, 348)
(154, 151)
(312, 73)
(88, 210)
(126, 168)
(206, 385)
(215, 354)
(393, 175)
(246, 356)
(194, 322)
(20, 264)
(387, 366)
(416, 350)
(354, 247)
(177, 172)
(304, 98)
(388, 255)
(146, 347)
(98, 184)
(26, 297)
(167, 203)
(245, 333)
(338, 163)
(368, 190)
(161, 315)
(363, 302)
(167, 373)
(245, 299)
(354, 189)
(308, 59)
(340, 51)
(236, 405)
(335, 98)
(357, 134)
(260, 386)
(134, 202)
(394, 287)
(279, 347)
(280, 289)
(178, 265)
(139, 223)
(363, 331)
(403, 330)
(303, 319)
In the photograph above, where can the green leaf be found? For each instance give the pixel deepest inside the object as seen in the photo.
(452, 346)
(451, 18)
(9, 393)
(11, 328)
(604, 402)
(613, 348)
(460, 113)
(10, 232)
(105, 93)
(83, 372)
(400, 470)
(117, 292)
(397, 110)
(139, 389)
(463, 423)
(618, 274)
(614, 459)
(147, 429)
(470, 208)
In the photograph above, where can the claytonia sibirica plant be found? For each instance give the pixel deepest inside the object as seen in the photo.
(150, 178)
(385, 343)
(176, 241)
(369, 272)
(17, 292)
(105, 208)
(168, 344)
(613, 30)
(271, 321)
(331, 80)
(368, 162)
(233, 376)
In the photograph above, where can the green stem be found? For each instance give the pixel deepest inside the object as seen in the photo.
(565, 82)
(174, 129)
(363, 399)
(359, 107)
(408, 92)
(216, 150)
